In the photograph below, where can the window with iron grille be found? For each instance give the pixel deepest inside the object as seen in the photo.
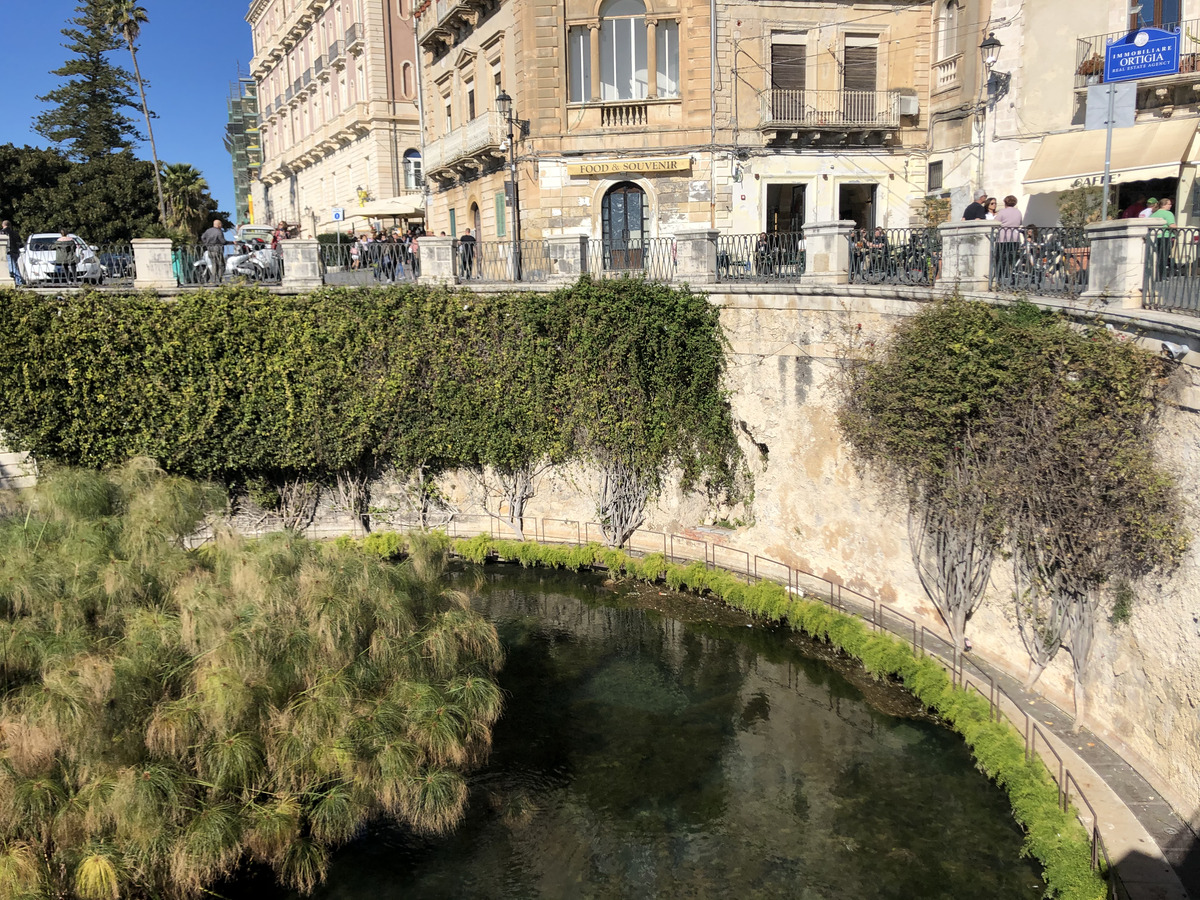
(934, 181)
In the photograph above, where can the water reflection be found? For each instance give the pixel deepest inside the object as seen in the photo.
(675, 753)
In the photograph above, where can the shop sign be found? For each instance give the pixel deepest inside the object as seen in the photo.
(1146, 53)
(623, 166)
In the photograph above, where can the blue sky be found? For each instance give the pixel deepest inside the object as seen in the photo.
(189, 52)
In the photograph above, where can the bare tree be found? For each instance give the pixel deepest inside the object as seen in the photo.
(953, 538)
(622, 507)
(510, 489)
(352, 492)
(298, 501)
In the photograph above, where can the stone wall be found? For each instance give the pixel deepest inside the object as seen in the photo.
(813, 508)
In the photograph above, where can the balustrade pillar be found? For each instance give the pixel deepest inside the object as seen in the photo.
(568, 256)
(1117, 262)
(966, 254)
(437, 261)
(301, 264)
(152, 266)
(827, 252)
(696, 257)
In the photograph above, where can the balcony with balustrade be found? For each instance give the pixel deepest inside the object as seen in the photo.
(946, 74)
(337, 55)
(307, 84)
(319, 69)
(439, 20)
(466, 150)
(836, 113)
(354, 38)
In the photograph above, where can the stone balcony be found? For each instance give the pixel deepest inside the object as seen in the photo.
(467, 149)
(441, 19)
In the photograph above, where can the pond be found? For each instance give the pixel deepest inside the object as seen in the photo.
(654, 745)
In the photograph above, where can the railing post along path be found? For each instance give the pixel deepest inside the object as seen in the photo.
(1117, 265)
(4, 255)
(301, 263)
(437, 261)
(827, 252)
(568, 257)
(152, 264)
(696, 257)
(966, 254)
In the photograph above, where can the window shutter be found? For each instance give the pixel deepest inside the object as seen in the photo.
(788, 66)
(500, 223)
(860, 69)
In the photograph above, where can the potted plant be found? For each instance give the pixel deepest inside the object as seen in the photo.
(1092, 68)
(1078, 208)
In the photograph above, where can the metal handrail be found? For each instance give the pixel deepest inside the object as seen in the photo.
(1089, 52)
(895, 256)
(1039, 260)
(1172, 276)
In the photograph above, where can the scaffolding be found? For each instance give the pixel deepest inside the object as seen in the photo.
(243, 142)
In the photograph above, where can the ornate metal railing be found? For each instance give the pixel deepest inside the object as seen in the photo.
(1172, 278)
(830, 109)
(774, 256)
(895, 256)
(652, 258)
(117, 265)
(526, 261)
(1037, 260)
(1089, 52)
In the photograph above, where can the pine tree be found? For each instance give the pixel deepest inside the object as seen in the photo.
(87, 115)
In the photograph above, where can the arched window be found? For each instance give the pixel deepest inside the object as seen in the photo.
(412, 169)
(623, 216)
(406, 84)
(622, 50)
(947, 30)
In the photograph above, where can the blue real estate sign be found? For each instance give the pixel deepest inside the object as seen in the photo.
(1145, 53)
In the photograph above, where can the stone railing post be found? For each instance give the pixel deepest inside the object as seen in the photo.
(152, 269)
(301, 263)
(966, 254)
(4, 257)
(437, 261)
(1117, 262)
(696, 257)
(568, 257)
(827, 252)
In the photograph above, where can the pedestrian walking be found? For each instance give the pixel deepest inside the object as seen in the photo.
(14, 251)
(214, 243)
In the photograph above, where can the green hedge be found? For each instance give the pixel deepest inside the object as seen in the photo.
(1053, 837)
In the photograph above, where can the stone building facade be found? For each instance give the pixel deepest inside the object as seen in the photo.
(628, 132)
(338, 92)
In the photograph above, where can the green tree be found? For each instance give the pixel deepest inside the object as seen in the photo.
(87, 117)
(189, 206)
(105, 200)
(125, 18)
(170, 714)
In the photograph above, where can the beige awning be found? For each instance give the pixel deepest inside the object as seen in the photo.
(404, 206)
(1153, 150)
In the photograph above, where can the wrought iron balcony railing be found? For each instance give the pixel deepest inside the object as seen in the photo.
(808, 110)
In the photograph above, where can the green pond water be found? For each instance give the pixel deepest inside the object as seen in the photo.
(653, 745)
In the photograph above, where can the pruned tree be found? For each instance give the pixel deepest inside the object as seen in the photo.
(622, 506)
(953, 536)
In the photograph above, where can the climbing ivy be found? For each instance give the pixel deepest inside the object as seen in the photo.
(248, 388)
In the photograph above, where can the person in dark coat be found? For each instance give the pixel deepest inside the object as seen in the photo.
(976, 211)
(14, 251)
(214, 244)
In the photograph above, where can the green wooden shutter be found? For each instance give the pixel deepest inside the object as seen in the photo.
(500, 214)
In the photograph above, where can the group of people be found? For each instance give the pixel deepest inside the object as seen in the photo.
(1152, 208)
(1006, 252)
(393, 256)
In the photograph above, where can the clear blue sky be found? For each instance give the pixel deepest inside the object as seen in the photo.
(188, 52)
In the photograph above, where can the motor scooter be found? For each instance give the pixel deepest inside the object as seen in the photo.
(253, 260)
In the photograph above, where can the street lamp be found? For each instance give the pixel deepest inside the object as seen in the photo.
(504, 106)
(989, 51)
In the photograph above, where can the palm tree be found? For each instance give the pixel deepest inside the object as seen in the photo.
(186, 194)
(123, 17)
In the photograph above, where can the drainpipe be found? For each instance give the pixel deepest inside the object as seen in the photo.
(712, 101)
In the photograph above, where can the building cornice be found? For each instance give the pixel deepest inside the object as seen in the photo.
(255, 10)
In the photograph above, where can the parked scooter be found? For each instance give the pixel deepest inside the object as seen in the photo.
(254, 260)
(203, 268)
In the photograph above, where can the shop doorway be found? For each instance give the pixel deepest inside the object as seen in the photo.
(785, 208)
(623, 218)
(856, 203)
